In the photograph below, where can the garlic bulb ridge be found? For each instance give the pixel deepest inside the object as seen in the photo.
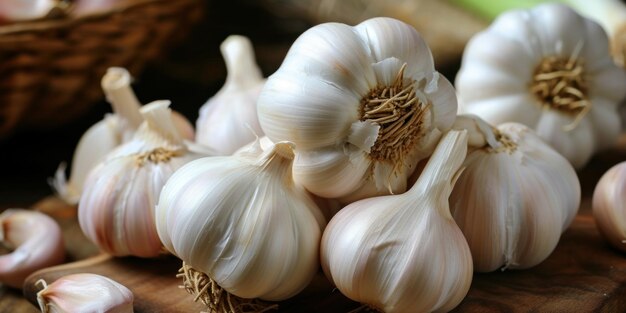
(404, 253)
(550, 69)
(363, 105)
(116, 210)
(229, 119)
(242, 221)
(515, 197)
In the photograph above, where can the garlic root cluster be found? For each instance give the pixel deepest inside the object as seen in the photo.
(35, 240)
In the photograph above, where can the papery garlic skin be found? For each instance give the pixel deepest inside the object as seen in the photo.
(107, 134)
(228, 120)
(609, 206)
(404, 253)
(116, 210)
(514, 201)
(244, 223)
(521, 50)
(326, 95)
(83, 293)
(36, 242)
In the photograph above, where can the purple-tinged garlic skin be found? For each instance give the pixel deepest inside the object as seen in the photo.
(36, 242)
(609, 206)
(84, 293)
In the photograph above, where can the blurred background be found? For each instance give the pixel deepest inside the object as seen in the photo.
(40, 127)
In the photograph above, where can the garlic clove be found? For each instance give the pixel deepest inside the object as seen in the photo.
(386, 252)
(84, 292)
(604, 114)
(228, 120)
(35, 240)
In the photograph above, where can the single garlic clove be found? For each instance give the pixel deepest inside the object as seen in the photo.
(228, 120)
(36, 241)
(609, 206)
(84, 292)
(403, 253)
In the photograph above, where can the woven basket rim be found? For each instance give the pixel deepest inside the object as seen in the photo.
(45, 24)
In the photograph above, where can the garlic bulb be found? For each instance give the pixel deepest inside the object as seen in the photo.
(36, 242)
(404, 253)
(104, 136)
(229, 119)
(84, 292)
(550, 69)
(609, 206)
(116, 210)
(363, 105)
(514, 198)
(243, 222)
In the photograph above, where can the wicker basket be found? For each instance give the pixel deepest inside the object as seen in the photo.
(50, 70)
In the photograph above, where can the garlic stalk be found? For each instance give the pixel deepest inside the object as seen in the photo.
(243, 222)
(514, 198)
(84, 292)
(609, 209)
(404, 253)
(548, 68)
(104, 136)
(36, 242)
(116, 210)
(229, 119)
(363, 105)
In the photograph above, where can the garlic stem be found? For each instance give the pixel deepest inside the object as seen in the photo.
(158, 117)
(490, 9)
(279, 159)
(240, 64)
(442, 170)
(480, 133)
(116, 86)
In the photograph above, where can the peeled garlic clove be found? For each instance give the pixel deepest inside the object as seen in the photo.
(548, 68)
(404, 253)
(363, 105)
(228, 120)
(243, 222)
(514, 199)
(116, 210)
(104, 136)
(35, 240)
(609, 206)
(84, 292)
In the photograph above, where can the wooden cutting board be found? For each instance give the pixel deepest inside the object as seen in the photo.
(583, 274)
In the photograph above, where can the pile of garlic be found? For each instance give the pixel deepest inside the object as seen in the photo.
(348, 117)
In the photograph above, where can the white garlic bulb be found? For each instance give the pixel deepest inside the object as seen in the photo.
(404, 253)
(515, 197)
(228, 120)
(21, 10)
(550, 69)
(609, 206)
(116, 210)
(363, 105)
(243, 222)
(36, 242)
(83, 293)
(104, 136)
